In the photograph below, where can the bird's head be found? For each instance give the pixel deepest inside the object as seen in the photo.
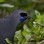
(23, 16)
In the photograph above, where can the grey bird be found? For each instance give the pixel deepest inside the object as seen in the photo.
(8, 25)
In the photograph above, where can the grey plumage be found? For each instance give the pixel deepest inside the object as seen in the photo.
(8, 25)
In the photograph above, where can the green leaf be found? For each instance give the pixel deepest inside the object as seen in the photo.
(8, 41)
(23, 41)
(26, 32)
(26, 28)
(18, 35)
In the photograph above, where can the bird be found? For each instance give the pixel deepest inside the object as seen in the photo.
(9, 24)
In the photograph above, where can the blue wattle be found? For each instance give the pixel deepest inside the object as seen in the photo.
(22, 19)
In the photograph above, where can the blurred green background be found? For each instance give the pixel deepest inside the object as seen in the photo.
(8, 6)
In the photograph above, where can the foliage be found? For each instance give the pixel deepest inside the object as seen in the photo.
(34, 33)
(2, 0)
(27, 5)
(8, 41)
